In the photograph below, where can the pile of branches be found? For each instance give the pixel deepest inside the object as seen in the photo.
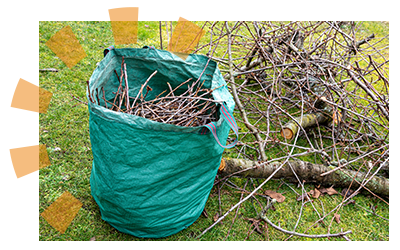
(195, 106)
(307, 83)
(307, 90)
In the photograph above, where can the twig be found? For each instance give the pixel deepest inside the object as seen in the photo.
(88, 88)
(126, 87)
(370, 93)
(141, 88)
(365, 40)
(97, 97)
(104, 97)
(353, 160)
(160, 35)
(238, 102)
(119, 87)
(79, 100)
(48, 70)
(341, 234)
(237, 210)
(121, 98)
(185, 97)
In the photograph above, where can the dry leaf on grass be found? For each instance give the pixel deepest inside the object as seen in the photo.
(329, 191)
(216, 216)
(256, 224)
(337, 217)
(274, 195)
(315, 193)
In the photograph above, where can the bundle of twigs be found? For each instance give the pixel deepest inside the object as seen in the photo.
(194, 106)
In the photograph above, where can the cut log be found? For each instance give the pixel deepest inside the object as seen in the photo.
(290, 129)
(328, 114)
(305, 171)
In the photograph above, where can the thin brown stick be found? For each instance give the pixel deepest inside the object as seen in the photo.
(104, 97)
(238, 102)
(341, 234)
(141, 88)
(126, 87)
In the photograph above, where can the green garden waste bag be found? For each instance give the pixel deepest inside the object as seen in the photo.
(153, 179)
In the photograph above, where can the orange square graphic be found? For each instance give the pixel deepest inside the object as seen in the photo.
(66, 46)
(124, 14)
(124, 24)
(44, 100)
(25, 160)
(61, 212)
(185, 37)
(44, 160)
(125, 32)
(26, 96)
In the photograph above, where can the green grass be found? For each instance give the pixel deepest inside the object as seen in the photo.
(65, 126)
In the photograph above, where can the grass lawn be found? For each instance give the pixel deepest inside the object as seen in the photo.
(65, 131)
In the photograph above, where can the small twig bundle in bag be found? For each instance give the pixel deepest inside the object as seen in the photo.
(195, 105)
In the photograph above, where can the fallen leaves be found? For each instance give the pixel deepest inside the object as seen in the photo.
(316, 193)
(256, 224)
(274, 195)
(337, 217)
(329, 191)
(215, 217)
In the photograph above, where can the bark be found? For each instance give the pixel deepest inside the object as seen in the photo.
(306, 171)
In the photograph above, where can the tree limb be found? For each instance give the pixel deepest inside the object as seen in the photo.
(306, 171)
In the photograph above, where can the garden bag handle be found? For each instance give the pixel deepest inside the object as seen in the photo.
(228, 117)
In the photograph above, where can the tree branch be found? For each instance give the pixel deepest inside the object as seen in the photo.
(306, 171)
(238, 102)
